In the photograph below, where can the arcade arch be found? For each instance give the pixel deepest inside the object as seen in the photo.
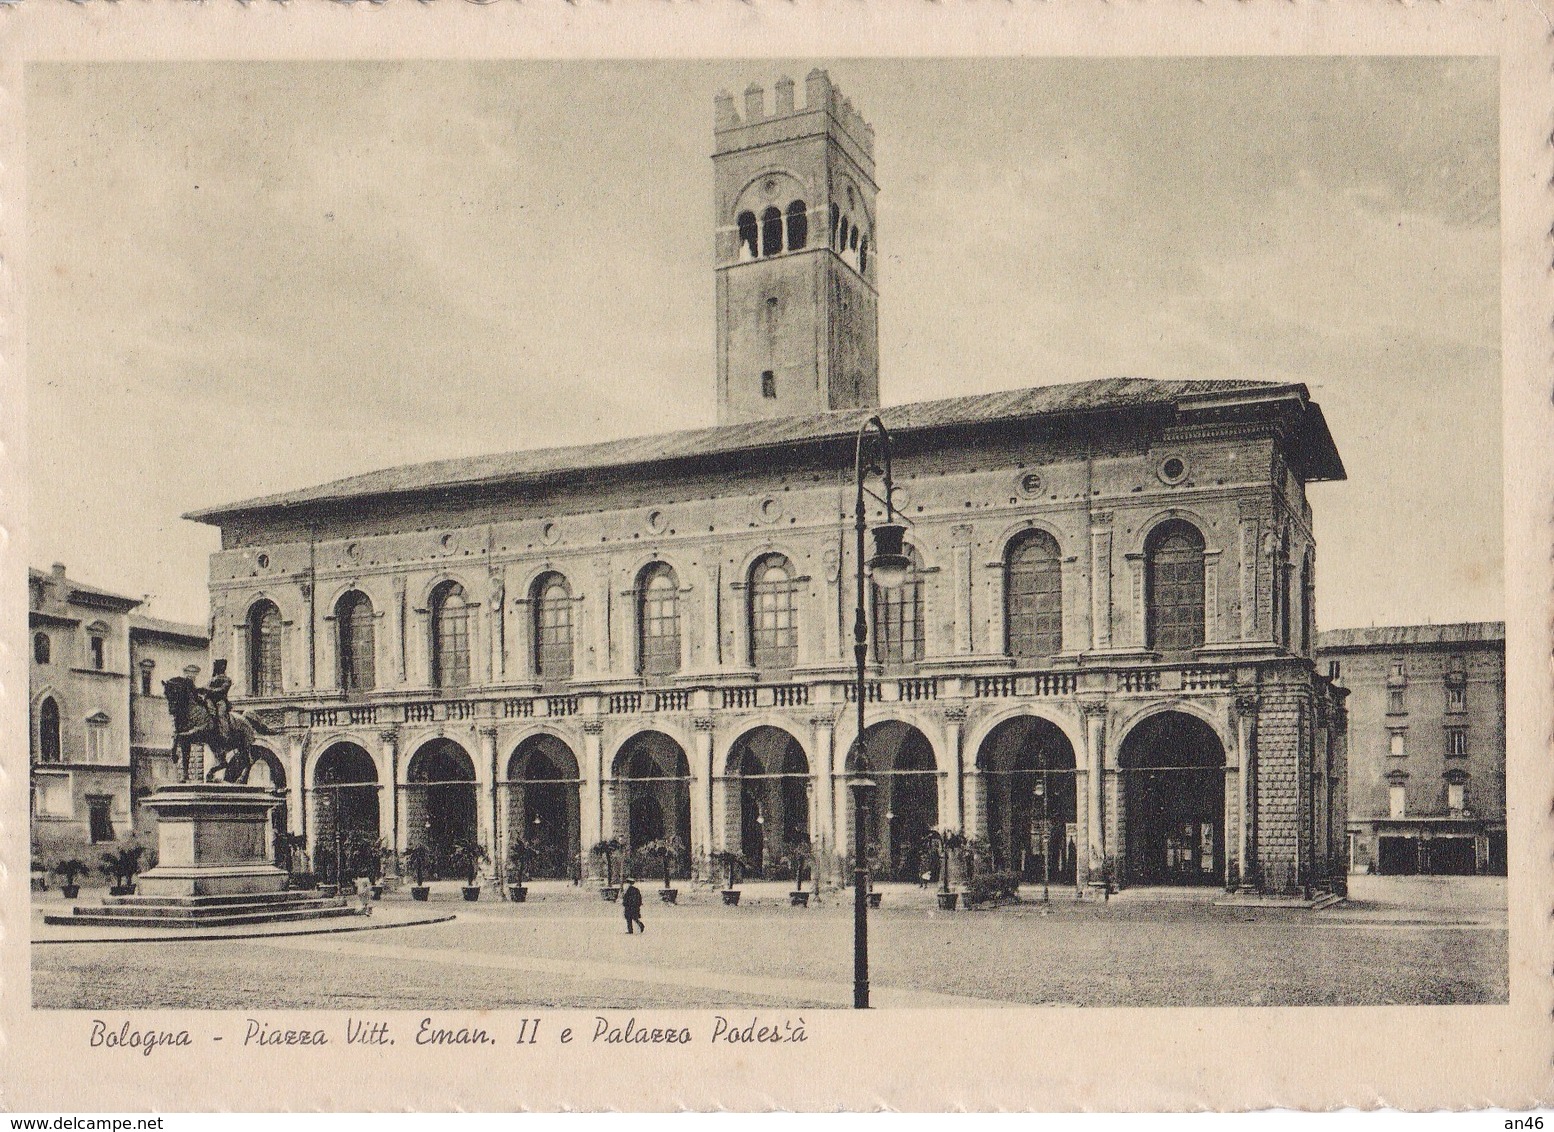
(768, 773)
(440, 803)
(1173, 805)
(906, 806)
(542, 804)
(652, 795)
(1028, 772)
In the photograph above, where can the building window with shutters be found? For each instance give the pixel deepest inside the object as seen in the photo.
(97, 739)
(774, 634)
(41, 648)
(450, 636)
(1174, 586)
(147, 670)
(552, 628)
(264, 649)
(354, 624)
(658, 618)
(898, 617)
(99, 653)
(1033, 596)
(1456, 743)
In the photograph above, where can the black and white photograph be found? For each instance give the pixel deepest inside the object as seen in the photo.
(764, 537)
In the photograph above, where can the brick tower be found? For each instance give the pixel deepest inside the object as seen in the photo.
(798, 319)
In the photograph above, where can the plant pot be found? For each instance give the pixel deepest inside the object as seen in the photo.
(71, 891)
(610, 893)
(471, 892)
(121, 890)
(420, 892)
(669, 895)
(731, 897)
(329, 890)
(798, 899)
(874, 898)
(376, 891)
(948, 900)
(517, 893)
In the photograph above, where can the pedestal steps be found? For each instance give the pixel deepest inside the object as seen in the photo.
(204, 911)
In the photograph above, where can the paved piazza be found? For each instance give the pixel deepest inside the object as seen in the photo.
(1398, 941)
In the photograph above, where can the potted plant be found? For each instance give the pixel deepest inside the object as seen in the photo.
(797, 857)
(666, 851)
(69, 869)
(418, 859)
(468, 856)
(521, 854)
(120, 868)
(608, 849)
(733, 862)
(944, 842)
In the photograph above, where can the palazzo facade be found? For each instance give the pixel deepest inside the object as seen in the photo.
(1102, 664)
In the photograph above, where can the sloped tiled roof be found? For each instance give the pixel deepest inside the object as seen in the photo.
(142, 624)
(1392, 636)
(753, 436)
(88, 595)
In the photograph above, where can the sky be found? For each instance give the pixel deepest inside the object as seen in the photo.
(244, 278)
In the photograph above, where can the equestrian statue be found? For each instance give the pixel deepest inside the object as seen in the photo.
(203, 715)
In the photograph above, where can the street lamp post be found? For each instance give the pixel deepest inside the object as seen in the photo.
(889, 567)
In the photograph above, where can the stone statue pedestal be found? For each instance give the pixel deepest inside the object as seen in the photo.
(213, 839)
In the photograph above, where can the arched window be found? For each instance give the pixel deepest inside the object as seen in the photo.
(40, 648)
(863, 256)
(354, 623)
(48, 731)
(658, 620)
(898, 618)
(836, 219)
(774, 633)
(553, 628)
(747, 236)
(264, 649)
(1174, 586)
(841, 236)
(99, 652)
(450, 636)
(771, 231)
(1033, 596)
(798, 225)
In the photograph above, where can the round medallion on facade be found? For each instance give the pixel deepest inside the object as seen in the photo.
(1172, 470)
(550, 534)
(448, 543)
(770, 509)
(1031, 483)
(263, 561)
(657, 522)
(353, 551)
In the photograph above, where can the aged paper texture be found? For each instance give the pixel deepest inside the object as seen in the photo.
(451, 448)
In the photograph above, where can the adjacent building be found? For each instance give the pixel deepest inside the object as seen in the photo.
(1426, 745)
(160, 650)
(1103, 663)
(100, 736)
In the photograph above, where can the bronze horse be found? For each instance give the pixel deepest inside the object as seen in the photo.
(194, 722)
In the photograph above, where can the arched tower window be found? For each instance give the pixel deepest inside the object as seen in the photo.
(774, 634)
(450, 636)
(553, 628)
(898, 618)
(863, 256)
(798, 225)
(658, 620)
(354, 623)
(48, 731)
(264, 649)
(747, 236)
(40, 648)
(1033, 596)
(771, 231)
(1174, 586)
(836, 219)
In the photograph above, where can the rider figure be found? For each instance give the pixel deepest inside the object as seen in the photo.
(216, 696)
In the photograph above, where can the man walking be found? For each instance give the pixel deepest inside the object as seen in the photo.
(631, 904)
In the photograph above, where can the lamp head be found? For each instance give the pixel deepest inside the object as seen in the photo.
(889, 566)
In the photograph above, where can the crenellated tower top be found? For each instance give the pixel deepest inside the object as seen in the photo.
(797, 252)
